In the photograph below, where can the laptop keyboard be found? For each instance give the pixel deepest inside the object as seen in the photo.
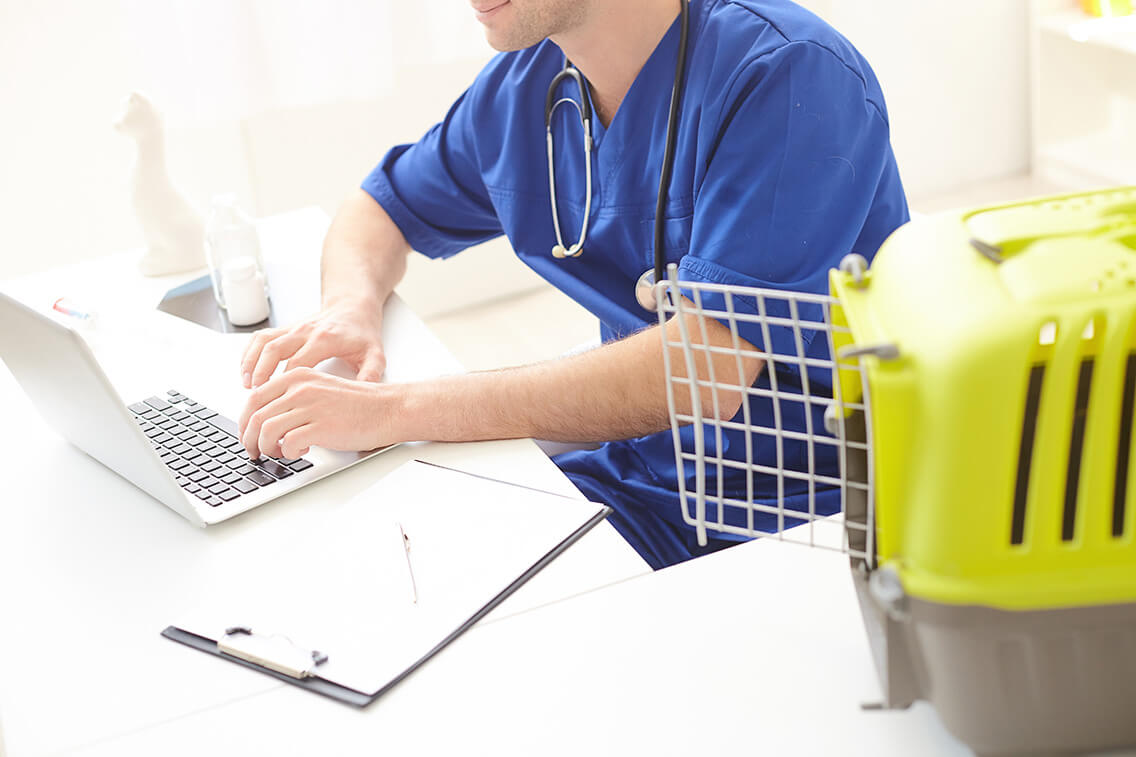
(201, 448)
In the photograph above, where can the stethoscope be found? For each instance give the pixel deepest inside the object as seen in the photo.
(645, 286)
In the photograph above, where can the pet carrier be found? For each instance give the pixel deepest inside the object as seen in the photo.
(961, 411)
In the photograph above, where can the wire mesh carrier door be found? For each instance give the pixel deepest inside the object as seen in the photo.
(957, 418)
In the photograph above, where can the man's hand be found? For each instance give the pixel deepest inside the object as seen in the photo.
(350, 330)
(302, 407)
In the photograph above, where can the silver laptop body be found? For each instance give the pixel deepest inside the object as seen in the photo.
(60, 374)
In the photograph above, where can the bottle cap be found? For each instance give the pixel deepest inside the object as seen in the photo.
(239, 268)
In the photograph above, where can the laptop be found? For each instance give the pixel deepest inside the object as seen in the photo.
(181, 452)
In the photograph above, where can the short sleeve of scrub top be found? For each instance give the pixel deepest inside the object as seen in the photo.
(433, 189)
(794, 179)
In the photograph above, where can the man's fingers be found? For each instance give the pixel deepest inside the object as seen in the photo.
(280, 348)
(373, 367)
(258, 400)
(252, 352)
(297, 442)
(276, 428)
(311, 354)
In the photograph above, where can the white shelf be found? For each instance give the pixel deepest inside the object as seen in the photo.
(1098, 158)
(1116, 33)
(1084, 97)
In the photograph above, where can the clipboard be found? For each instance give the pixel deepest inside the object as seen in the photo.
(474, 542)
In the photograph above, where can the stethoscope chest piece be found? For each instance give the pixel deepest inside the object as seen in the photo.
(645, 291)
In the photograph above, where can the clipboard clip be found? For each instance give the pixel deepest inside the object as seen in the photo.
(274, 652)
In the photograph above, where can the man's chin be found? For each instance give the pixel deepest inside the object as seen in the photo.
(505, 42)
(504, 46)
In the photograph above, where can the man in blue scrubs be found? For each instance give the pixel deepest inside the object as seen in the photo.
(783, 166)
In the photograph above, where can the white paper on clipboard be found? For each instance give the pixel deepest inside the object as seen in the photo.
(469, 537)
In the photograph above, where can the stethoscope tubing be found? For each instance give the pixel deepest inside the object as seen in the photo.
(671, 142)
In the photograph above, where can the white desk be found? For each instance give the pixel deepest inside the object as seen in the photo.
(757, 650)
(91, 569)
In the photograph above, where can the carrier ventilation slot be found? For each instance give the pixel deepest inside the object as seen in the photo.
(1076, 449)
(1025, 454)
(1123, 445)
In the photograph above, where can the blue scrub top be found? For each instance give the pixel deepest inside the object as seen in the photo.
(784, 165)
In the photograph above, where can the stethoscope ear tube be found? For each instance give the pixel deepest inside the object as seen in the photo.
(585, 105)
(560, 250)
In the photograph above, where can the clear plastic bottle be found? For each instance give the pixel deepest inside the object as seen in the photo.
(231, 244)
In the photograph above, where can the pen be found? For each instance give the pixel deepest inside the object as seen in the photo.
(409, 566)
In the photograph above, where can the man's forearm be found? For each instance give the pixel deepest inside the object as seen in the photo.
(364, 254)
(616, 391)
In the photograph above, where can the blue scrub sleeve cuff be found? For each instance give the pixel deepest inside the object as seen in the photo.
(783, 339)
(421, 236)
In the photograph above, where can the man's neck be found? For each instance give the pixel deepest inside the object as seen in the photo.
(613, 44)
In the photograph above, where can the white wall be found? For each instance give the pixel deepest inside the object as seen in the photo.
(956, 79)
(66, 65)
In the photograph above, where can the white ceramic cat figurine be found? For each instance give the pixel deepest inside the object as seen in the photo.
(173, 231)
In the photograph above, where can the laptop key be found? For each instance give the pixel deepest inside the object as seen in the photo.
(273, 467)
(219, 487)
(231, 477)
(244, 487)
(211, 466)
(157, 403)
(228, 495)
(202, 494)
(300, 465)
(197, 476)
(215, 501)
(138, 407)
(260, 478)
(223, 423)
